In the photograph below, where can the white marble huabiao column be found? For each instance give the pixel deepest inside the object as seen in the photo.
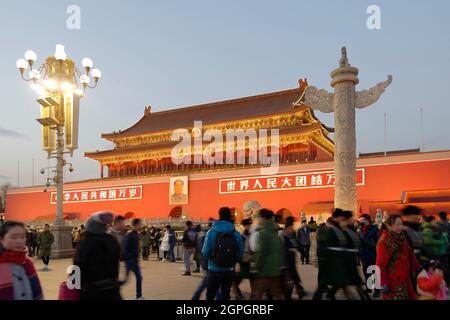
(343, 103)
(344, 80)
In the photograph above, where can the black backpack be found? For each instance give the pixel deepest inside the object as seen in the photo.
(225, 250)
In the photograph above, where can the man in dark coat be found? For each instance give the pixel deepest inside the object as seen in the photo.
(189, 244)
(351, 256)
(304, 241)
(131, 255)
(411, 221)
(291, 277)
(330, 246)
(98, 256)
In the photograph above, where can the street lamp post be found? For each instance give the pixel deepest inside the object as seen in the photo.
(59, 86)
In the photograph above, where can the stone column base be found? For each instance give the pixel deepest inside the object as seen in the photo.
(62, 247)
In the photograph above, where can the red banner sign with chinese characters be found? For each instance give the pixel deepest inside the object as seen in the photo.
(101, 194)
(292, 181)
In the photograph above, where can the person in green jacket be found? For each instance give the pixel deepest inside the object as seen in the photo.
(268, 260)
(45, 240)
(435, 241)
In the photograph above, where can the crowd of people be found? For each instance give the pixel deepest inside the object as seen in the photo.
(404, 257)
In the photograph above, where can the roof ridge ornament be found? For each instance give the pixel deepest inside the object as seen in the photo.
(303, 85)
(147, 110)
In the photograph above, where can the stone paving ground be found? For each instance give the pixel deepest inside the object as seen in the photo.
(161, 280)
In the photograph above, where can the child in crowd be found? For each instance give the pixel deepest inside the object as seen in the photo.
(18, 277)
(430, 282)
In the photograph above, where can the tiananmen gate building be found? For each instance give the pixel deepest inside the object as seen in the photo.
(142, 178)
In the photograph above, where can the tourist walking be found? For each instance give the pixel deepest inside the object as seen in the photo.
(81, 233)
(430, 282)
(34, 242)
(291, 277)
(312, 225)
(45, 240)
(304, 241)
(445, 228)
(397, 262)
(75, 239)
(189, 244)
(98, 257)
(165, 246)
(351, 259)
(204, 265)
(145, 244)
(268, 258)
(244, 263)
(199, 240)
(412, 228)
(131, 255)
(172, 243)
(29, 240)
(369, 239)
(18, 277)
(330, 247)
(435, 242)
(155, 238)
(117, 230)
(222, 249)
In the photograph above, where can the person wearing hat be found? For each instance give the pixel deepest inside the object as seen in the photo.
(330, 254)
(98, 256)
(412, 228)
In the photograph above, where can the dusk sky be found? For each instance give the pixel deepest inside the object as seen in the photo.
(170, 54)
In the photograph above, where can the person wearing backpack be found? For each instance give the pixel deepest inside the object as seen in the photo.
(189, 244)
(223, 247)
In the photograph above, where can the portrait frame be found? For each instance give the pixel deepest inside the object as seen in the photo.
(183, 197)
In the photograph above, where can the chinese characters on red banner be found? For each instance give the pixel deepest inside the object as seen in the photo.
(101, 194)
(292, 181)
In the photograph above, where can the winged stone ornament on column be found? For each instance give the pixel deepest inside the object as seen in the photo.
(366, 98)
(322, 100)
(319, 99)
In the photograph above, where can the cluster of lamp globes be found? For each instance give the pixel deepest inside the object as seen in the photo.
(48, 86)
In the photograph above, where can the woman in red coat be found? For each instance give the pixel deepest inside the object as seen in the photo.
(396, 260)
